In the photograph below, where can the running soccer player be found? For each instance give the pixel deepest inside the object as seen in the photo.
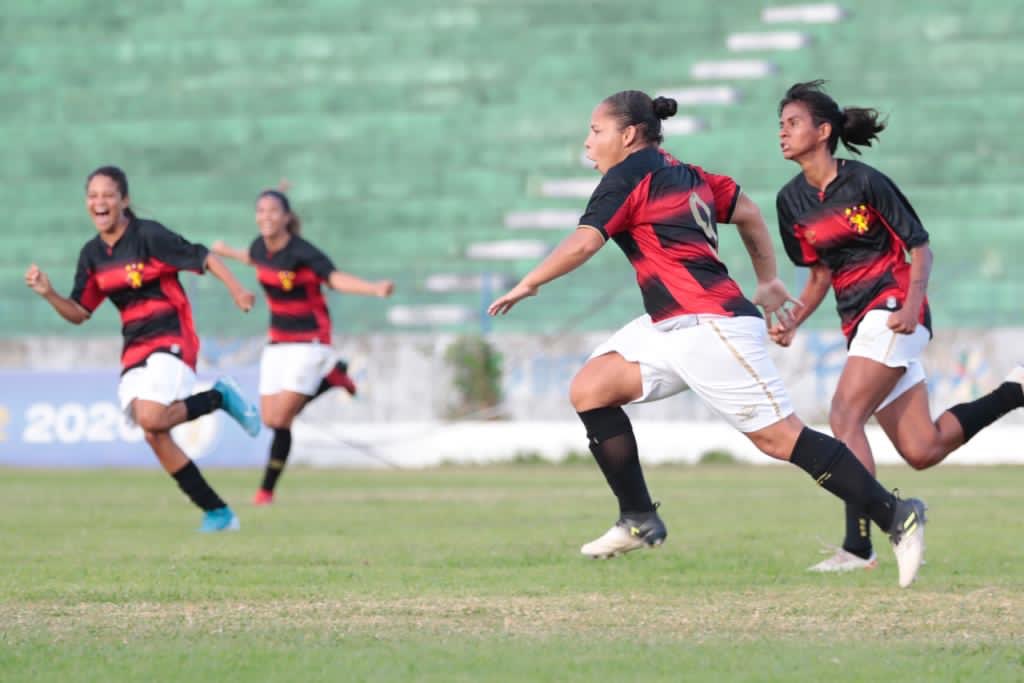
(135, 262)
(853, 227)
(699, 331)
(298, 363)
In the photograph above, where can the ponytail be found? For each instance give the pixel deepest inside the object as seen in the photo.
(860, 126)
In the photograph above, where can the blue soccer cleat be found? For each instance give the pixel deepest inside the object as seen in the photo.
(221, 519)
(235, 404)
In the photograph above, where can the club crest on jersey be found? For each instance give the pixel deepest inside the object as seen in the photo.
(133, 271)
(287, 279)
(857, 216)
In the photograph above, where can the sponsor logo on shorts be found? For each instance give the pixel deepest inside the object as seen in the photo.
(746, 413)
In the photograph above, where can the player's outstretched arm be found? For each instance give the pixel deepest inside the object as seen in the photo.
(771, 294)
(68, 309)
(817, 287)
(570, 254)
(347, 283)
(224, 251)
(243, 298)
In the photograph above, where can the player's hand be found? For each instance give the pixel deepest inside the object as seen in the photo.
(772, 297)
(37, 280)
(782, 336)
(903, 321)
(504, 304)
(219, 247)
(244, 299)
(383, 288)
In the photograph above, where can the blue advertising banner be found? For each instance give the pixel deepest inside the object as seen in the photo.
(73, 419)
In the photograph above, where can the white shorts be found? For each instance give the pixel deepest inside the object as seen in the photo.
(874, 340)
(163, 379)
(294, 367)
(724, 360)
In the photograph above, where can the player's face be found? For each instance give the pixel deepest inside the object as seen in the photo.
(104, 203)
(271, 218)
(798, 135)
(606, 145)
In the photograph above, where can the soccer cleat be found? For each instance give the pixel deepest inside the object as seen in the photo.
(342, 378)
(263, 497)
(235, 404)
(221, 519)
(631, 532)
(907, 537)
(844, 561)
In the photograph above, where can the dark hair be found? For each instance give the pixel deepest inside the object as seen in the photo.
(853, 125)
(294, 225)
(119, 178)
(636, 108)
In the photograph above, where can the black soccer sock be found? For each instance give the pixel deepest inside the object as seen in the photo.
(279, 449)
(858, 531)
(614, 447)
(190, 480)
(837, 470)
(203, 403)
(982, 412)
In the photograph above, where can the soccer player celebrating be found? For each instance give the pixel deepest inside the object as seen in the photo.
(699, 331)
(135, 262)
(298, 363)
(852, 227)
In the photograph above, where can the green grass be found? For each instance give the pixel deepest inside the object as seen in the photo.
(472, 574)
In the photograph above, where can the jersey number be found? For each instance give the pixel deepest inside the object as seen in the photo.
(702, 214)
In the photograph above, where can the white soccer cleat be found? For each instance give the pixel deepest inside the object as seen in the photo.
(844, 561)
(631, 532)
(1016, 375)
(907, 537)
(615, 541)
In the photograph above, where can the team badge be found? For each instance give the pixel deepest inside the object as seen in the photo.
(133, 271)
(287, 279)
(811, 236)
(858, 218)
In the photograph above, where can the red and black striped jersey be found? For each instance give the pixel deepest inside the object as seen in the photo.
(291, 278)
(663, 214)
(860, 228)
(139, 274)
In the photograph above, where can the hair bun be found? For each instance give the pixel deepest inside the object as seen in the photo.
(664, 107)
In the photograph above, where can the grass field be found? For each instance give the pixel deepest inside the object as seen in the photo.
(473, 574)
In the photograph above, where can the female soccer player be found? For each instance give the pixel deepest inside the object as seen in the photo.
(852, 226)
(298, 363)
(135, 262)
(699, 332)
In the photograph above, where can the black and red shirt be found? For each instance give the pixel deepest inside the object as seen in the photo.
(139, 274)
(291, 278)
(860, 228)
(663, 214)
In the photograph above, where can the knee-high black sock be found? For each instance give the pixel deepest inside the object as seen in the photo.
(982, 412)
(858, 531)
(614, 447)
(837, 470)
(202, 403)
(190, 480)
(279, 449)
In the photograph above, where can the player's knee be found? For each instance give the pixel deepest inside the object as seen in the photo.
(276, 421)
(844, 418)
(151, 423)
(154, 437)
(920, 457)
(582, 394)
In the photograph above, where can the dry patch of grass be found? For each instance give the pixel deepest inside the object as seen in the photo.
(982, 616)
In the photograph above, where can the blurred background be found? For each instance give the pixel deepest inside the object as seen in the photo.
(439, 144)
